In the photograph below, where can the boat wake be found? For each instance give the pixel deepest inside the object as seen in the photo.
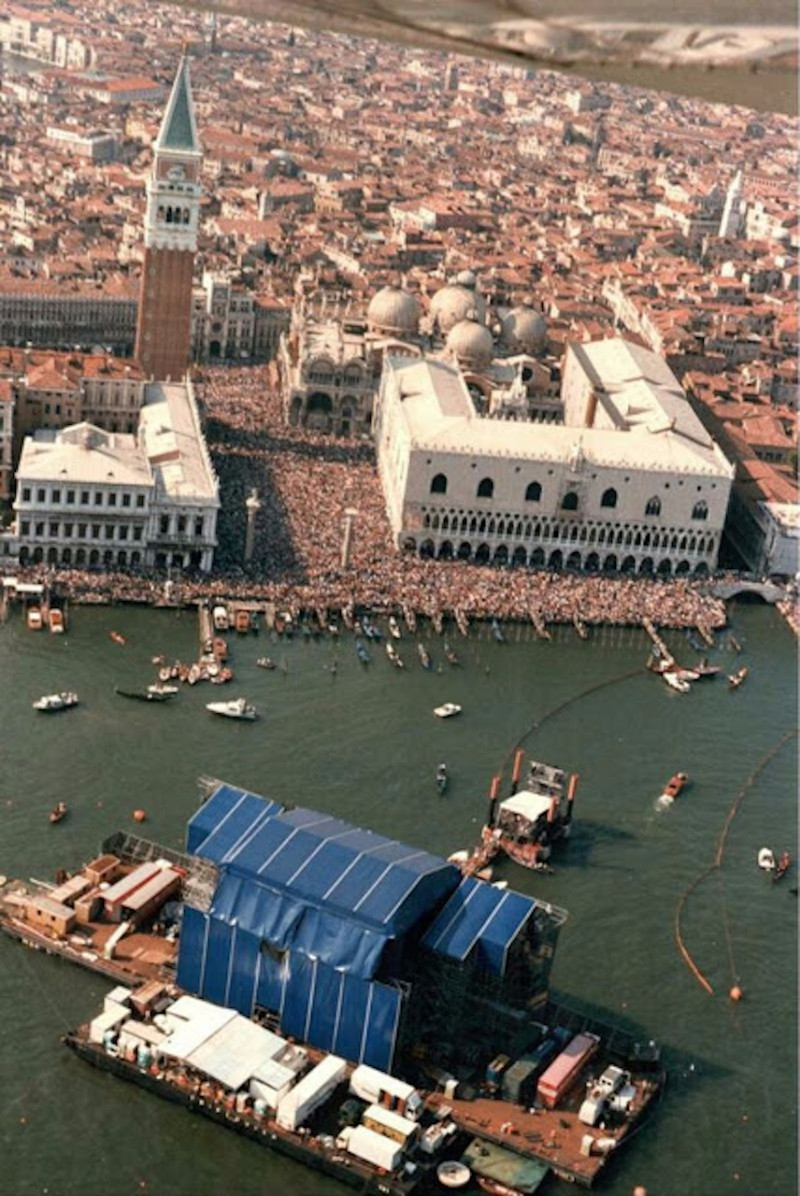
(663, 803)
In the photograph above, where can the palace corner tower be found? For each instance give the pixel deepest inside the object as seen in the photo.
(170, 239)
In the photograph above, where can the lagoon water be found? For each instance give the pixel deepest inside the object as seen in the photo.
(364, 745)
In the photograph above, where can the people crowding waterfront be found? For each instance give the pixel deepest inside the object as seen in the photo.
(306, 481)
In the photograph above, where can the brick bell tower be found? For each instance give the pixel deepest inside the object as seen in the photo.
(163, 328)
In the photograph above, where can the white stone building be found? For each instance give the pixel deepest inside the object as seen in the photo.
(630, 481)
(86, 496)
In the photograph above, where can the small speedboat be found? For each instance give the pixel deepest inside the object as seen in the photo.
(117, 637)
(442, 779)
(58, 812)
(675, 785)
(675, 682)
(52, 702)
(736, 679)
(238, 708)
(265, 662)
(447, 710)
(766, 859)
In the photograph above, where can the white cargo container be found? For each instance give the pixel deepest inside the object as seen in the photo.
(374, 1086)
(272, 1083)
(375, 1148)
(391, 1125)
(310, 1092)
(109, 1019)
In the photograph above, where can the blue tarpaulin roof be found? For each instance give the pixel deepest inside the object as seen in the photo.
(367, 879)
(478, 915)
(229, 813)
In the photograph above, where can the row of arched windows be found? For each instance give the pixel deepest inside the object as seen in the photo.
(570, 501)
(593, 562)
(172, 215)
(633, 536)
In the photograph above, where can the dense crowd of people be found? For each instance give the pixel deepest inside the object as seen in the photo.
(306, 481)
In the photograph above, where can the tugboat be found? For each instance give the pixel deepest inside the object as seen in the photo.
(442, 779)
(238, 708)
(52, 702)
(736, 679)
(424, 656)
(526, 825)
(58, 812)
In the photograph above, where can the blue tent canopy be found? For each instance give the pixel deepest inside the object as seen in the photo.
(480, 916)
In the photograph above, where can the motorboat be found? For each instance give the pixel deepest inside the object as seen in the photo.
(265, 662)
(686, 674)
(117, 637)
(219, 617)
(394, 628)
(52, 702)
(447, 710)
(497, 632)
(675, 682)
(241, 621)
(766, 859)
(393, 655)
(238, 708)
(143, 695)
(424, 656)
(219, 648)
(675, 785)
(55, 620)
(736, 679)
(59, 811)
(704, 669)
(35, 621)
(442, 779)
(160, 689)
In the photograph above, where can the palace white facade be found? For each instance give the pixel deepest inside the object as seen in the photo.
(631, 481)
(87, 496)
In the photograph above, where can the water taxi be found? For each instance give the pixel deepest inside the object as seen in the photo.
(219, 617)
(35, 621)
(238, 708)
(55, 620)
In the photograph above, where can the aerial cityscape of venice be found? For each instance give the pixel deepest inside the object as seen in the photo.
(398, 625)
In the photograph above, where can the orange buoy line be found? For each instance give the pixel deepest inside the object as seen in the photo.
(736, 990)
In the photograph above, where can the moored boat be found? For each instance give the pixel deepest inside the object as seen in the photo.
(424, 656)
(59, 811)
(238, 708)
(462, 622)
(527, 824)
(219, 617)
(394, 627)
(410, 617)
(241, 621)
(34, 619)
(497, 632)
(55, 620)
(450, 655)
(393, 655)
(219, 648)
(675, 682)
(704, 669)
(362, 652)
(49, 703)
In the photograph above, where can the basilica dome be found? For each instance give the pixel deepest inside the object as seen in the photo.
(472, 343)
(524, 330)
(393, 312)
(453, 303)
